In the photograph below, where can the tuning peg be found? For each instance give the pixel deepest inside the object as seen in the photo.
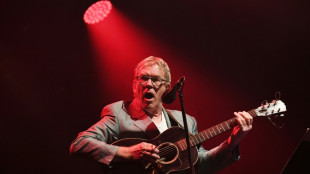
(265, 102)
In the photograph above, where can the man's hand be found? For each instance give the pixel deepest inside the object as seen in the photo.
(145, 151)
(245, 121)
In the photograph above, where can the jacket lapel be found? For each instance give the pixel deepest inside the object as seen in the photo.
(148, 127)
(167, 119)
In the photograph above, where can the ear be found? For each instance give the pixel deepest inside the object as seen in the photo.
(168, 86)
(134, 87)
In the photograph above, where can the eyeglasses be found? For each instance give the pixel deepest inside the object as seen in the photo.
(156, 81)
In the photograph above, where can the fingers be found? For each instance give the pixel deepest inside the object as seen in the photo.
(149, 150)
(148, 147)
(245, 120)
(152, 154)
(240, 119)
(248, 118)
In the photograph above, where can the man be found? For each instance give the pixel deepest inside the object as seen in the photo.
(144, 117)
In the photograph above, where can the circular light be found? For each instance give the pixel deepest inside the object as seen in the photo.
(97, 12)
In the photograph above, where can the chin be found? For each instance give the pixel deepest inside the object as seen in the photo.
(153, 105)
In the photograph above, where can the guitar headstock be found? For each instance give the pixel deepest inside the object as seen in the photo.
(276, 107)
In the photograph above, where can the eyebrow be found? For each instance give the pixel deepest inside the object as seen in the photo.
(148, 75)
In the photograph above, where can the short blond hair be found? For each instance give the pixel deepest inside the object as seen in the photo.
(152, 60)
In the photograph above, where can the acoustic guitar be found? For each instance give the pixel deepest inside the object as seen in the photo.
(172, 144)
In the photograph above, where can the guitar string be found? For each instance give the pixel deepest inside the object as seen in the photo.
(193, 139)
(170, 153)
(166, 151)
(169, 149)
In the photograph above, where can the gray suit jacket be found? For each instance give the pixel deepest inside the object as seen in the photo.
(116, 124)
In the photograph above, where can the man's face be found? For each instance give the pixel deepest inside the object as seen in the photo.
(149, 96)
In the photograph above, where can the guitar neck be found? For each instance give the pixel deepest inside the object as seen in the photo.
(213, 131)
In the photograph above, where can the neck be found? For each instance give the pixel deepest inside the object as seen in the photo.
(154, 112)
(136, 110)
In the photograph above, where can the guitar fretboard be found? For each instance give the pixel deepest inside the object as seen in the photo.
(211, 132)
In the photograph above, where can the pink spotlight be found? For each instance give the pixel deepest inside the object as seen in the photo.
(97, 12)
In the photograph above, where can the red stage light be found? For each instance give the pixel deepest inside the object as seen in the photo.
(97, 12)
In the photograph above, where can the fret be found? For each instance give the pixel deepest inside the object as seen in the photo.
(218, 129)
(182, 145)
(179, 145)
(203, 136)
(192, 143)
(209, 131)
(195, 139)
(223, 127)
(206, 134)
(185, 144)
(199, 139)
(214, 131)
(191, 140)
(228, 127)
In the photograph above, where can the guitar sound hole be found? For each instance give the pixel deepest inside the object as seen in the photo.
(168, 152)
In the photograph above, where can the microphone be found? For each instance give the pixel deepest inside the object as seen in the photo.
(170, 96)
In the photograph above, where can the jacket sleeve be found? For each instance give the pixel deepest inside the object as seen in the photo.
(212, 161)
(96, 141)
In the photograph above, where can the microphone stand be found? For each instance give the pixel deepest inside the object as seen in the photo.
(180, 91)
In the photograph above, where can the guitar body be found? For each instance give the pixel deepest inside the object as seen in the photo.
(173, 158)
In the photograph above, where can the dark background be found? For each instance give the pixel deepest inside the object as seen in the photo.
(234, 54)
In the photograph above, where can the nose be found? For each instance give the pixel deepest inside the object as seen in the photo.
(148, 83)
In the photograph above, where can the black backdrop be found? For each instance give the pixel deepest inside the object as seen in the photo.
(240, 53)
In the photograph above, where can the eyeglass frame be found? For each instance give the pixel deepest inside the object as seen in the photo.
(139, 78)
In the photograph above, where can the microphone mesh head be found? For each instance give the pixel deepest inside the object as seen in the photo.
(168, 99)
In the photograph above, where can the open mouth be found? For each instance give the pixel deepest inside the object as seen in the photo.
(148, 96)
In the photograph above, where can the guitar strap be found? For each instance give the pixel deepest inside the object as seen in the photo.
(174, 122)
